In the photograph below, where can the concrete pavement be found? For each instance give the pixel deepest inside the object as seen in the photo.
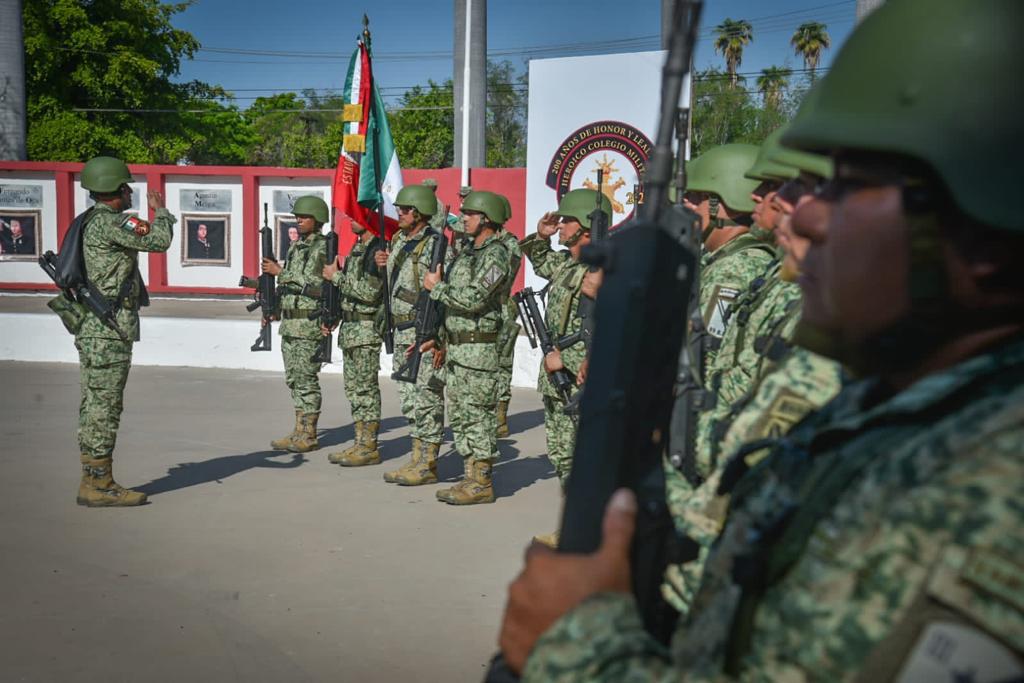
(248, 565)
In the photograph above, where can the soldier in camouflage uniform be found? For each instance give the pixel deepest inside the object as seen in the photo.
(362, 294)
(299, 282)
(111, 244)
(422, 402)
(565, 273)
(718, 192)
(510, 326)
(883, 539)
(473, 295)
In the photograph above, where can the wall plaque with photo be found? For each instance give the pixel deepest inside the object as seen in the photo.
(20, 235)
(206, 240)
(284, 200)
(198, 199)
(14, 196)
(287, 230)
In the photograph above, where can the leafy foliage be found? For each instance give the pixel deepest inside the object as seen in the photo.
(809, 40)
(723, 113)
(731, 36)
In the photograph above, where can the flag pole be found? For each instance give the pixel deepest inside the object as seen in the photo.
(389, 333)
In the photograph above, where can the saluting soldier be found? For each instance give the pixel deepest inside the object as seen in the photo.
(473, 292)
(299, 282)
(362, 294)
(111, 244)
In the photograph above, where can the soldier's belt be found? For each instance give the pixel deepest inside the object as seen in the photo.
(400, 318)
(355, 316)
(474, 337)
(406, 295)
(295, 313)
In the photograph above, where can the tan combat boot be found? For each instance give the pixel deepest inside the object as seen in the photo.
(476, 488)
(99, 490)
(283, 443)
(424, 470)
(306, 440)
(392, 476)
(503, 429)
(356, 446)
(366, 452)
(550, 540)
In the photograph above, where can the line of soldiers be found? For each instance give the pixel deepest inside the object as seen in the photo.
(853, 502)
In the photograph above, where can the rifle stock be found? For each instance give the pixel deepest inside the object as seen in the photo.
(328, 312)
(428, 316)
(533, 321)
(265, 297)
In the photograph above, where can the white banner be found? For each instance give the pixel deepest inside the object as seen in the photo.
(586, 114)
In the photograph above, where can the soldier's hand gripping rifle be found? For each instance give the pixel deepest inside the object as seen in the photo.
(537, 333)
(328, 311)
(626, 412)
(265, 297)
(428, 314)
(85, 294)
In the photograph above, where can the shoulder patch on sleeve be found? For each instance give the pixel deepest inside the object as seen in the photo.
(959, 653)
(491, 276)
(717, 310)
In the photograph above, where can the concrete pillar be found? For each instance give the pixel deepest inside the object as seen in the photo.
(12, 82)
(471, 112)
(666, 22)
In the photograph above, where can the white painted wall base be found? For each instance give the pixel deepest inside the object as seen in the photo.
(191, 342)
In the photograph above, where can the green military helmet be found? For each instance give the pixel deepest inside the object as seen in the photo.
(508, 207)
(889, 91)
(490, 204)
(419, 197)
(105, 174)
(429, 182)
(580, 203)
(720, 171)
(465, 189)
(311, 205)
(775, 162)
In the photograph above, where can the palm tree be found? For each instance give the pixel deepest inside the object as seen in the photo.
(771, 83)
(808, 41)
(732, 37)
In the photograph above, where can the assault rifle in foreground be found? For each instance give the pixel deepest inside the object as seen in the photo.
(265, 297)
(85, 294)
(536, 331)
(625, 414)
(428, 314)
(328, 311)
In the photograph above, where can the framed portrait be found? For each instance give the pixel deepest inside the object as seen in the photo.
(287, 230)
(20, 235)
(206, 239)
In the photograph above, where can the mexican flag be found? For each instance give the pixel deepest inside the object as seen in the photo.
(368, 169)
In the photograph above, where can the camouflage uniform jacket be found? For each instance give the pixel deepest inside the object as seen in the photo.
(510, 314)
(474, 295)
(884, 533)
(408, 263)
(362, 293)
(725, 274)
(111, 252)
(302, 272)
(561, 316)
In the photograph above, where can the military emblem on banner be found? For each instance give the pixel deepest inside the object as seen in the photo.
(618, 149)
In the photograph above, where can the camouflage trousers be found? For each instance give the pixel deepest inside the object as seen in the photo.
(104, 366)
(300, 372)
(422, 402)
(361, 367)
(506, 357)
(473, 395)
(560, 431)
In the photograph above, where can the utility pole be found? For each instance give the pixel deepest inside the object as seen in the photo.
(12, 82)
(866, 7)
(667, 7)
(470, 67)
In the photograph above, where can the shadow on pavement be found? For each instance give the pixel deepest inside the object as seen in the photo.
(523, 422)
(347, 433)
(512, 474)
(188, 474)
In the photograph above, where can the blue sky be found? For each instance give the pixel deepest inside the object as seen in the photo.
(413, 39)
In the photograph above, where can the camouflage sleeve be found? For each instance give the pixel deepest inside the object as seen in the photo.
(159, 237)
(492, 274)
(368, 289)
(543, 258)
(600, 641)
(311, 274)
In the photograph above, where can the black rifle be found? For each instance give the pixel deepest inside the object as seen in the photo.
(626, 412)
(428, 314)
(85, 294)
(537, 333)
(265, 297)
(328, 311)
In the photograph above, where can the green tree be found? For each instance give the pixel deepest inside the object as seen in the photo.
(723, 113)
(809, 40)
(423, 126)
(772, 84)
(731, 36)
(506, 116)
(120, 55)
(295, 131)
